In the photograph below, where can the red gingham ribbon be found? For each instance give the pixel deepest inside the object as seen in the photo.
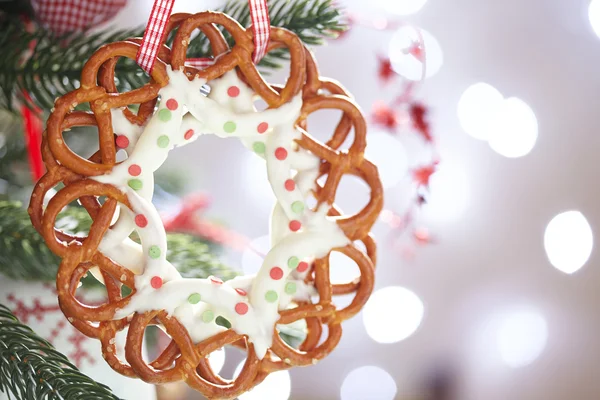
(153, 37)
(261, 27)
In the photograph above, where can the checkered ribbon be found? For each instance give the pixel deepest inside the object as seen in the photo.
(154, 35)
(261, 27)
(62, 16)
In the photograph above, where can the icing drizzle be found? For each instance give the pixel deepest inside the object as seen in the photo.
(298, 234)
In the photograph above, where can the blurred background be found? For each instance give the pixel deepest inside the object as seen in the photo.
(482, 121)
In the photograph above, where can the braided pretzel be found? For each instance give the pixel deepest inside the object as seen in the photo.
(296, 268)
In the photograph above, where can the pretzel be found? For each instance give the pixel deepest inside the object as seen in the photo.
(297, 267)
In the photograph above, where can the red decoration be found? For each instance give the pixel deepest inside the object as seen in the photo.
(33, 138)
(384, 69)
(303, 266)
(418, 112)
(422, 175)
(241, 308)
(295, 225)
(122, 141)
(156, 282)
(385, 116)
(276, 273)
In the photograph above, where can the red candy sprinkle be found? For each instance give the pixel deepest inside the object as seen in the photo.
(280, 153)
(295, 225)
(216, 280)
(303, 266)
(241, 308)
(233, 91)
(276, 273)
(290, 185)
(141, 221)
(156, 282)
(241, 292)
(188, 134)
(122, 141)
(134, 170)
(172, 104)
(262, 127)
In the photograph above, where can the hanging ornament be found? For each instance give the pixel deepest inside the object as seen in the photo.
(200, 97)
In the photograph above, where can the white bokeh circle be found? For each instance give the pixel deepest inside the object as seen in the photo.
(521, 337)
(405, 63)
(392, 314)
(476, 109)
(594, 16)
(514, 129)
(276, 386)
(568, 241)
(368, 382)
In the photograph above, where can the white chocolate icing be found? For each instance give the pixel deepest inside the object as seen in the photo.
(298, 234)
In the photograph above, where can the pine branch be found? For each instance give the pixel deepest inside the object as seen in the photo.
(31, 369)
(25, 256)
(53, 68)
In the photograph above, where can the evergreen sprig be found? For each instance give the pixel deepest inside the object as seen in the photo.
(32, 369)
(25, 256)
(53, 68)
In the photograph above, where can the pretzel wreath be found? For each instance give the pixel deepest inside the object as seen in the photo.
(293, 283)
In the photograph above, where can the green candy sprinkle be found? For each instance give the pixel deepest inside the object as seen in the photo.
(154, 252)
(271, 296)
(164, 115)
(259, 147)
(290, 288)
(293, 262)
(135, 184)
(163, 141)
(208, 316)
(298, 207)
(194, 298)
(229, 127)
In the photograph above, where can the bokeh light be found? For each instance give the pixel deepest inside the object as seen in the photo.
(392, 314)
(568, 241)
(401, 7)
(521, 337)
(514, 129)
(368, 383)
(594, 16)
(408, 59)
(476, 109)
(390, 157)
(276, 386)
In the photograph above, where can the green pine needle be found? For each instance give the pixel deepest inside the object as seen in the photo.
(25, 256)
(54, 68)
(32, 369)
